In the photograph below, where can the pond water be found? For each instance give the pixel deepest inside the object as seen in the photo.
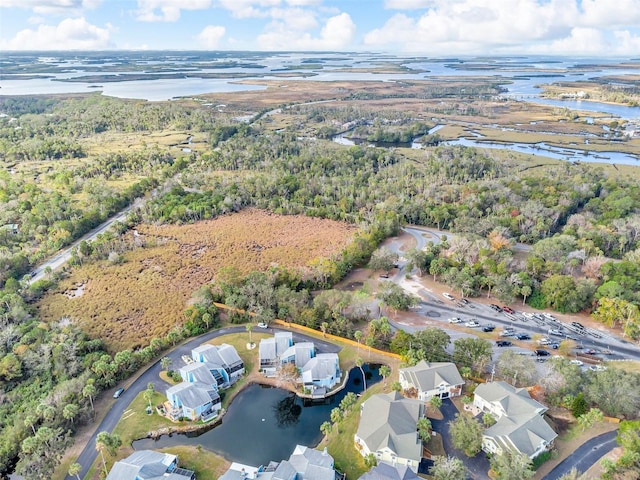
(266, 423)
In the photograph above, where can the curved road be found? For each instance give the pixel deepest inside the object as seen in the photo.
(152, 375)
(585, 456)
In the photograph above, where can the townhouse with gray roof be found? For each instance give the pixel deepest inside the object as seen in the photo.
(435, 379)
(149, 465)
(388, 430)
(384, 471)
(520, 425)
(303, 464)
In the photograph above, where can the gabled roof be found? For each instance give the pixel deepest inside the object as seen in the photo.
(320, 367)
(429, 376)
(229, 355)
(267, 349)
(209, 353)
(201, 372)
(514, 401)
(312, 464)
(524, 432)
(384, 471)
(146, 465)
(285, 471)
(389, 421)
(194, 395)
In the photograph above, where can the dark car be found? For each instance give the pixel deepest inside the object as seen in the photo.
(118, 392)
(523, 336)
(542, 353)
(488, 328)
(464, 301)
(495, 307)
(508, 310)
(577, 325)
(504, 343)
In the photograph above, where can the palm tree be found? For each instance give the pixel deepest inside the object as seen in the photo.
(90, 391)
(364, 380)
(74, 470)
(358, 336)
(148, 393)
(324, 326)
(424, 429)
(249, 327)
(165, 363)
(385, 371)
(70, 411)
(326, 428)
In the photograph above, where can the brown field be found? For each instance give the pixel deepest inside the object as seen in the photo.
(129, 304)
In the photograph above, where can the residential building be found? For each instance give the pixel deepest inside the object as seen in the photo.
(384, 471)
(149, 465)
(520, 425)
(303, 464)
(194, 401)
(271, 349)
(388, 429)
(322, 372)
(224, 356)
(435, 379)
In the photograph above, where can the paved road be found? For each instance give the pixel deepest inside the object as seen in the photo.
(585, 456)
(152, 375)
(63, 256)
(477, 466)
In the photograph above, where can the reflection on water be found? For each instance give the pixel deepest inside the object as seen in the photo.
(265, 423)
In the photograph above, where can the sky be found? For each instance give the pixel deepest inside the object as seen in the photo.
(609, 28)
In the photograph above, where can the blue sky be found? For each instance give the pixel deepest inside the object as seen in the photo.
(421, 27)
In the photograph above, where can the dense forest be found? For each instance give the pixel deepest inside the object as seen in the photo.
(583, 228)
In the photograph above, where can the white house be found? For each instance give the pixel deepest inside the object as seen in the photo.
(435, 379)
(388, 429)
(195, 401)
(223, 355)
(149, 465)
(321, 372)
(520, 424)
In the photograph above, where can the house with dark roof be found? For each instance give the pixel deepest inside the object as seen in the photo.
(388, 430)
(434, 379)
(520, 425)
(149, 465)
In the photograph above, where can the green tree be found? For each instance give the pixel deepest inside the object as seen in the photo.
(396, 386)
(488, 419)
(74, 470)
(433, 342)
(165, 363)
(383, 259)
(108, 442)
(149, 393)
(512, 466)
(435, 401)
(370, 460)
(447, 468)
(358, 336)
(359, 364)
(472, 352)
(516, 369)
(249, 328)
(70, 411)
(326, 428)
(385, 371)
(89, 391)
(589, 419)
(395, 297)
(579, 405)
(466, 434)
(424, 429)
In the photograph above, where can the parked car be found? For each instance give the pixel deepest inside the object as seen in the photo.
(548, 316)
(576, 362)
(263, 325)
(555, 331)
(523, 336)
(508, 310)
(384, 275)
(472, 324)
(118, 392)
(542, 353)
(448, 296)
(503, 343)
(507, 332)
(488, 328)
(527, 315)
(455, 320)
(577, 325)
(495, 307)
(464, 301)
(545, 341)
(554, 345)
(597, 368)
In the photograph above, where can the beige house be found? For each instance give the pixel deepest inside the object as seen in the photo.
(388, 430)
(520, 425)
(435, 379)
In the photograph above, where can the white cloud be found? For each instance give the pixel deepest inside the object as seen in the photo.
(248, 8)
(69, 34)
(507, 26)
(211, 35)
(52, 7)
(337, 33)
(167, 10)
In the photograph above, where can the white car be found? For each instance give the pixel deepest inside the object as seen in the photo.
(448, 296)
(263, 325)
(576, 362)
(555, 331)
(545, 341)
(455, 320)
(472, 324)
(527, 315)
(597, 368)
(548, 316)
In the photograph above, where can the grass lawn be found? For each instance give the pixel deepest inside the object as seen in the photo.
(206, 464)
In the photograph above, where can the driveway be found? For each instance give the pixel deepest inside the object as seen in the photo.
(152, 375)
(585, 456)
(478, 466)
